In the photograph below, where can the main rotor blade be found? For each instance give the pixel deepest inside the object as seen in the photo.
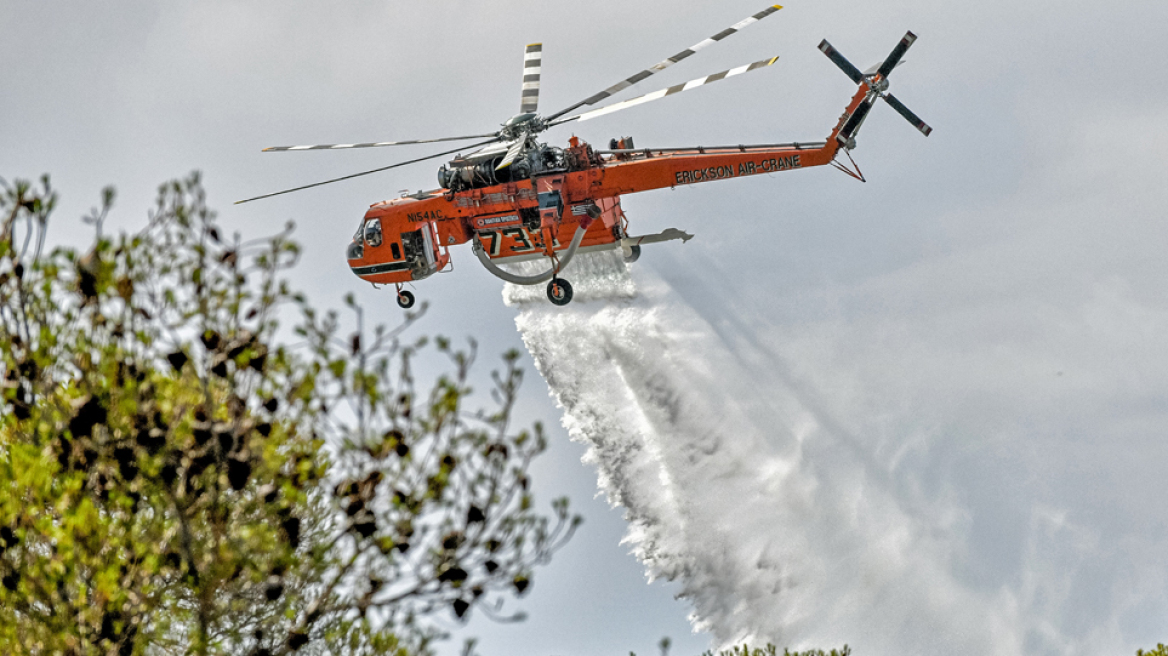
(532, 65)
(513, 151)
(692, 84)
(277, 149)
(844, 65)
(907, 113)
(896, 54)
(357, 175)
(664, 64)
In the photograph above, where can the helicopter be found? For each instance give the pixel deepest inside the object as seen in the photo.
(516, 198)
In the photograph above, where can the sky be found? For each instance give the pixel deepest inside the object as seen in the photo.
(954, 372)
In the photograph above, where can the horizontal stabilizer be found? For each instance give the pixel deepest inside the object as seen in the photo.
(667, 235)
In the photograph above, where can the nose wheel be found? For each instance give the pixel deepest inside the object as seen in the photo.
(405, 300)
(559, 291)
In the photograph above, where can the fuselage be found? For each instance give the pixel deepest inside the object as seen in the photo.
(408, 238)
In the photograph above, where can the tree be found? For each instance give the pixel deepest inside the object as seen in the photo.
(772, 650)
(176, 479)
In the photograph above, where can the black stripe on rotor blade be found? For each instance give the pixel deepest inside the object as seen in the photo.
(727, 32)
(896, 54)
(907, 114)
(857, 118)
(357, 175)
(662, 65)
(839, 60)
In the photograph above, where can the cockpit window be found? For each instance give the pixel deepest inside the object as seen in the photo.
(373, 232)
(356, 249)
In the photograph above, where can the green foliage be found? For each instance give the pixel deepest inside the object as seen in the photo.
(771, 650)
(173, 479)
(1160, 650)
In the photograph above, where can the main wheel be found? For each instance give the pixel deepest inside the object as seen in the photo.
(559, 291)
(634, 254)
(405, 300)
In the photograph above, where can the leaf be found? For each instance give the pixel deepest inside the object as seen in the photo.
(274, 588)
(125, 288)
(475, 515)
(453, 575)
(89, 412)
(296, 640)
(177, 360)
(521, 583)
(238, 473)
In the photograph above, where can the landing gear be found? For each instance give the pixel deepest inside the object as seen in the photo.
(634, 254)
(405, 299)
(559, 291)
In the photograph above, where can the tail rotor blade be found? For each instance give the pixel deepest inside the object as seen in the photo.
(856, 119)
(896, 54)
(664, 64)
(839, 60)
(532, 65)
(907, 113)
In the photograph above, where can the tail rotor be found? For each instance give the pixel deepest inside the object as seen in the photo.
(877, 87)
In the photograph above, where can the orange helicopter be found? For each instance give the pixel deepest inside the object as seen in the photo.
(516, 199)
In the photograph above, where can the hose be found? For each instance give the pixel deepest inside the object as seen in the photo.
(530, 280)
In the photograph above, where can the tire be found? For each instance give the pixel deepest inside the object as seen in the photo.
(634, 254)
(405, 300)
(559, 291)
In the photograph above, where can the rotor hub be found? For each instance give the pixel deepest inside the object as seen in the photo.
(878, 85)
(522, 125)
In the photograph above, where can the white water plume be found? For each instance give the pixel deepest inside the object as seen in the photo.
(780, 523)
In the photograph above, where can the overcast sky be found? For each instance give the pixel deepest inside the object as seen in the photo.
(979, 326)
